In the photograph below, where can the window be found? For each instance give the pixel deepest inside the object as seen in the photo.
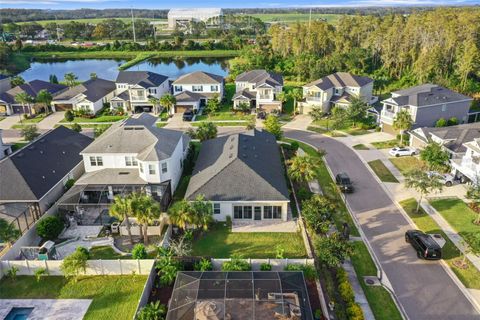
(444, 107)
(119, 104)
(164, 167)
(197, 88)
(141, 167)
(178, 88)
(216, 208)
(181, 164)
(214, 88)
(130, 161)
(267, 212)
(337, 91)
(152, 90)
(96, 161)
(277, 212)
(237, 212)
(247, 212)
(151, 169)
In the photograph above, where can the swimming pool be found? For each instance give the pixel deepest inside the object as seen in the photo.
(18, 313)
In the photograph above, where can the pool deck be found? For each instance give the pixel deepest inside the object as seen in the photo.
(51, 309)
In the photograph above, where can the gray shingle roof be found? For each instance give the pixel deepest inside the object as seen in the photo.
(426, 94)
(28, 174)
(244, 93)
(260, 77)
(146, 79)
(239, 167)
(340, 79)
(32, 88)
(93, 89)
(188, 96)
(112, 176)
(199, 77)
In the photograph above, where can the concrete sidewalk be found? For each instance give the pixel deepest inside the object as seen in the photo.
(50, 121)
(300, 122)
(10, 121)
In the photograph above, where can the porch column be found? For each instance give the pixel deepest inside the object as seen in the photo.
(110, 192)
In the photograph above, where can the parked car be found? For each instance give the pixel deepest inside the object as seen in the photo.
(446, 178)
(344, 183)
(426, 247)
(188, 115)
(261, 115)
(402, 151)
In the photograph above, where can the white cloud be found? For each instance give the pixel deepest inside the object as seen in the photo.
(59, 2)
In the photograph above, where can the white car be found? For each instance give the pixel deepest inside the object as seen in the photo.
(402, 151)
(445, 178)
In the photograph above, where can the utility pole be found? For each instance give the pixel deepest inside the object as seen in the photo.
(133, 27)
(56, 28)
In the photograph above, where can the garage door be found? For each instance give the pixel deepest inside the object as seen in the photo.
(269, 107)
(182, 108)
(20, 109)
(63, 107)
(3, 109)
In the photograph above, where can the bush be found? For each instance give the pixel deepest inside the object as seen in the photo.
(441, 123)
(453, 121)
(69, 183)
(236, 264)
(303, 194)
(69, 116)
(39, 273)
(83, 251)
(265, 267)
(12, 273)
(152, 311)
(346, 291)
(355, 312)
(76, 127)
(203, 265)
(49, 228)
(73, 264)
(139, 252)
(309, 271)
(294, 146)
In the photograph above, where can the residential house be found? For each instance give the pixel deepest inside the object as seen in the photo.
(181, 17)
(336, 90)
(426, 104)
(89, 96)
(467, 168)
(132, 155)
(5, 83)
(452, 138)
(5, 149)
(259, 89)
(193, 90)
(34, 177)
(9, 105)
(136, 88)
(242, 175)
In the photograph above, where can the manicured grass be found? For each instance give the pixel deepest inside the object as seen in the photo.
(331, 133)
(459, 216)
(161, 124)
(19, 145)
(470, 276)
(388, 144)
(96, 119)
(112, 295)
(84, 126)
(2, 118)
(348, 128)
(406, 164)
(26, 122)
(360, 146)
(220, 242)
(380, 301)
(382, 171)
(356, 131)
(224, 124)
(106, 253)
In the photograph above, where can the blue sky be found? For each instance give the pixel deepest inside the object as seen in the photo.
(165, 4)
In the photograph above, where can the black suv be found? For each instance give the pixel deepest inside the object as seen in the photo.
(188, 116)
(426, 247)
(344, 183)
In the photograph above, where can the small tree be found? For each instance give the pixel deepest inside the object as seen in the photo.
(70, 79)
(357, 110)
(272, 125)
(155, 103)
(206, 131)
(473, 194)
(53, 78)
(213, 105)
(145, 209)
(39, 273)
(25, 100)
(76, 127)
(421, 182)
(139, 251)
(181, 214)
(303, 168)
(296, 94)
(49, 228)
(167, 267)
(316, 113)
(74, 264)
(435, 157)
(332, 250)
(168, 101)
(69, 116)
(339, 117)
(203, 212)
(403, 121)
(441, 123)
(121, 209)
(29, 132)
(317, 212)
(8, 232)
(46, 98)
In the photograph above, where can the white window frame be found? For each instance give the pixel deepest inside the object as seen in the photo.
(216, 208)
(164, 167)
(197, 88)
(96, 161)
(151, 169)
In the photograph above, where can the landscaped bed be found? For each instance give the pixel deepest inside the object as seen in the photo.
(382, 171)
(223, 124)
(386, 144)
(406, 164)
(113, 296)
(220, 242)
(360, 146)
(96, 119)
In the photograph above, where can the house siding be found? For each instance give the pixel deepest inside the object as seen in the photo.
(428, 116)
(226, 209)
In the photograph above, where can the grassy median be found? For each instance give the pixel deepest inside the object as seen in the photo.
(382, 171)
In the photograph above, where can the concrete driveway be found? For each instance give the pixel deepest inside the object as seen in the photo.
(9, 121)
(50, 121)
(424, 288)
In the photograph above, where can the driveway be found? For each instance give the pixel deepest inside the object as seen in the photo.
(424, 288)
(9, 121)
(50, 121)
(176, 122)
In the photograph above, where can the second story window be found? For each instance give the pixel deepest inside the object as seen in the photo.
(141, 167)
(214, 88)
(164, 167)
(197, 88)
(96, 161)
(216, 208)
(152, 90)
(130, 161)
(178, 88)
(151, 169)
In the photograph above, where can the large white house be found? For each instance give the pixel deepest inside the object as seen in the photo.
(469, 165)
(135, 90)
(181, 17)
(336, 90)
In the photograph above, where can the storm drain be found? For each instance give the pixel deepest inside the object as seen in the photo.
(372, 281)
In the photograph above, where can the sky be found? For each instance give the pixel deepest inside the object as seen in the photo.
(166, 4)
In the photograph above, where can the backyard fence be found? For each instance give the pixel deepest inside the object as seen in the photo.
(277, 264)
(147, 289)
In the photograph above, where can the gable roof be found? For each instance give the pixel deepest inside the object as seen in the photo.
(426, 94)
(260, 76)
(93, 89)
(240, 167)
(39, 166)
(145, 79)
(187, 96)
(245, 93)
(32, 88)
(199, 77)
(137, 136)
(340, 79)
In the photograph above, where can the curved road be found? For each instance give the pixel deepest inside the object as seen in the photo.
(424, 288)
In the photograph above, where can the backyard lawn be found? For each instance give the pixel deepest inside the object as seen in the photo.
(406, 164)
(96, 119)
(459, 216)
(382, 171)
(113, 296)
(469, 276)
(388, 144)
(106, 253)
(219, 242)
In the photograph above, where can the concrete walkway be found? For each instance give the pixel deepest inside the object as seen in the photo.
(300, 122)
(9, 121)
(50, 121)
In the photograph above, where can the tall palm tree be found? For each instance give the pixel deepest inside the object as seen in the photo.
(8, 232)
(154, 101)
(70, 79)
(202, 212)
(296, 94)
(46, 98)
(181, 214)
(121, 209)
(25, 99)
(403, 121)
(168, 101)
(303, 168)
(145, 210)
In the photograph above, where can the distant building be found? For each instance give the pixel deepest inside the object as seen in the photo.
(182, 16)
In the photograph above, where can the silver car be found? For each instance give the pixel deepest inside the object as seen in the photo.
(445, 178)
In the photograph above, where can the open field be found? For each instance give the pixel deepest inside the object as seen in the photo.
(290, 18)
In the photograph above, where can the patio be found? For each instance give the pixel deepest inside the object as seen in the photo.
(72, 309)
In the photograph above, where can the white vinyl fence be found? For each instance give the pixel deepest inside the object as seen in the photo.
(277, 264)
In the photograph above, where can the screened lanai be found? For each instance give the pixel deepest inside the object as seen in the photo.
(216, 295)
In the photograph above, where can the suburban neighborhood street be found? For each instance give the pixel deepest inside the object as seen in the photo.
(424, 288)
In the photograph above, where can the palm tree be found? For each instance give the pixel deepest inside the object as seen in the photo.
(181, 214)
(203, 212)
(303, 168)
(403, 121)
(296, 95)
(145, 210)
(70, 79)
(8, 232)
(168, 101)
(25, 99)
(121, 208)
(154, 101)
(46, 98)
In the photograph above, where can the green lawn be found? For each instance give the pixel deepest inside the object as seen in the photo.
(96, 119)
(331, 133)
(84, 126)
(161, 124)
(406, 164)
(219, 242)
(459, 216)
(224, 124)
(360, 146)
(25, 122)
(348, 128)
(470, 276)
(379, 299)
(113, 296)
(106, 253)
(19, 145)
(2, 118)
(388, 144)
(382, 171)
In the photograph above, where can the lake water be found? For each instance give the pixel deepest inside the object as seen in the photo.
(108, 68)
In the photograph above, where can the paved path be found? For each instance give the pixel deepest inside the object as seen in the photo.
(300, 122)
(50, 121)
(176, 122)
(9, 121)
(424, 288)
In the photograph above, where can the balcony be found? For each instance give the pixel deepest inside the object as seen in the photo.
(388, 116)
(265, 97)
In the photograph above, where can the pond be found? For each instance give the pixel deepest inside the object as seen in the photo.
(108, 68)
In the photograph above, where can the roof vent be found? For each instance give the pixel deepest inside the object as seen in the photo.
(63, 152)
(31, 147)
(53, 171)
(123, 173)
(244, 155)
(255, 156)
(43, 177)
(41, 151)
(42, 140)
(253, 147)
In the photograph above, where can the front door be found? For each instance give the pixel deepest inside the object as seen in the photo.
(258, 213)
